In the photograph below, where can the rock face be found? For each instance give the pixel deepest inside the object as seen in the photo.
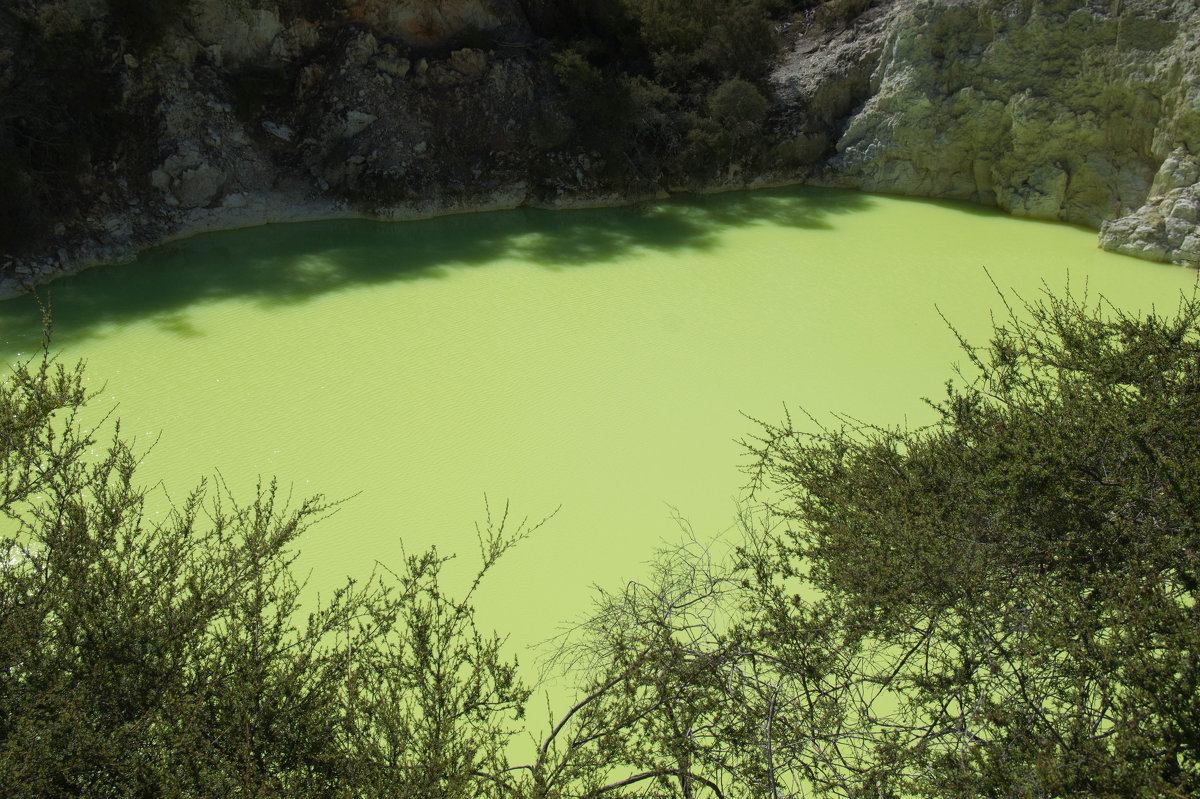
(338, 114)
(1167, 226)
(1047, 109)
(1085, 111)
(826, 75)
(420, 22)
(248, 112)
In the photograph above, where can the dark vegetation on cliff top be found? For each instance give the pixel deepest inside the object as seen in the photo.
(667, 92)
(1003, 603)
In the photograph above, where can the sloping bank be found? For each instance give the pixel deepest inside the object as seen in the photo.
(254, 111)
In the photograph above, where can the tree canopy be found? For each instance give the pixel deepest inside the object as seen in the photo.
(1000, 603)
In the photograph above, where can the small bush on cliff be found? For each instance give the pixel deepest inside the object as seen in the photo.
(715, 39)
(625, 65)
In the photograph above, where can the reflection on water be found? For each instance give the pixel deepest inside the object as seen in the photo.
(600, 360)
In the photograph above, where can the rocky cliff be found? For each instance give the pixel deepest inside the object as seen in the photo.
(251, 111)
(1087, 113)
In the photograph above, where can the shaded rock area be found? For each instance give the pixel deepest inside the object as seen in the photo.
(249, 113)
(255, 111)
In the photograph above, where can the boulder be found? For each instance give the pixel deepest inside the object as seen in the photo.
(198, 187)
(356, 123)
(244, 35)
(278, 131)
(1178, 170)
(1165, 227)
(469, 62)
(1040, 196)
(396, 67)
(360, 50)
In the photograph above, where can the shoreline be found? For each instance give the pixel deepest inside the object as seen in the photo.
(280, 209)
(272, 208)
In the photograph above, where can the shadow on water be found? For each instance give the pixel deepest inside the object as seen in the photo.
(281, 264)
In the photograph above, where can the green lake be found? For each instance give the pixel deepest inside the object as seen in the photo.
(604, 361)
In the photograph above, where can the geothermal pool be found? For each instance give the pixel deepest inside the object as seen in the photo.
(603, 362)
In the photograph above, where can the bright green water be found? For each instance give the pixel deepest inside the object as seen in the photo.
(597, 360)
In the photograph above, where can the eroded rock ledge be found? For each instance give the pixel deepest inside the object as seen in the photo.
(1084, 112)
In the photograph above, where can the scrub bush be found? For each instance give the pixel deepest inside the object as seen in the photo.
(736, 102)
(637, 75)
(141, 657)
(1003, 602)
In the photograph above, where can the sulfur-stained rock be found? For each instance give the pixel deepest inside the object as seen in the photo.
(243, 33)
(1179, 169)
(1165, 227)
(1040, 196)
(396, 67)
(297, 38)
(1084, 112)
(1189, 250)
(282, 132)
(1187, 209)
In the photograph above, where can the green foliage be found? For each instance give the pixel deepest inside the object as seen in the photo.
(574, 70)
(1002, 603)
(723, 136)
(598, 101)
(144, 657)
(1016, 583)
(637, 76)
(736, 103)
(711, 39)
(654, 115)
(707, 149)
